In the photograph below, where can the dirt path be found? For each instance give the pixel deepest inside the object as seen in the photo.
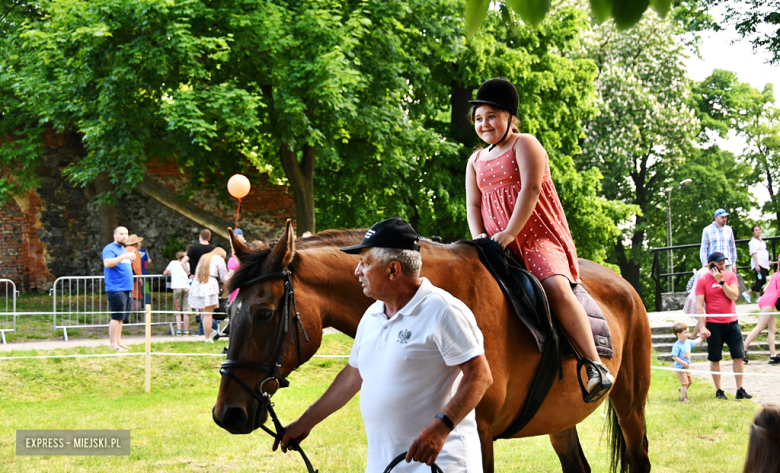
(96, 342)
(765, 389)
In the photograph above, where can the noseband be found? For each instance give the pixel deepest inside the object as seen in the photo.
(289, 317)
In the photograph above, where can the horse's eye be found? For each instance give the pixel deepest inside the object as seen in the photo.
(264, 314)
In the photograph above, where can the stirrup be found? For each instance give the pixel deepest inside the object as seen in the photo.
(604, 383)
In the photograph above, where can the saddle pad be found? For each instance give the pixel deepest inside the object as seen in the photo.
(598, 324)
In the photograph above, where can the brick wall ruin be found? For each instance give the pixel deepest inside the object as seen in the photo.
(54, 230)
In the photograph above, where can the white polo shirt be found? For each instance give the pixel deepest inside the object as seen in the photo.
(409, 369)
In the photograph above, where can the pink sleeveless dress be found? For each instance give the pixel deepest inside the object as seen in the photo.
(545, 242)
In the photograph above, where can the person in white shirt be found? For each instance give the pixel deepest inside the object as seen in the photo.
(759, 263)
(418, 358)
(180, 283)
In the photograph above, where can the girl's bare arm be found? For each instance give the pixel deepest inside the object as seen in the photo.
(473, 200)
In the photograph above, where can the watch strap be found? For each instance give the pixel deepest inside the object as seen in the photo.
(447, 421)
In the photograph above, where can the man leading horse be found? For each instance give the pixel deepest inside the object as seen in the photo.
(418, 358)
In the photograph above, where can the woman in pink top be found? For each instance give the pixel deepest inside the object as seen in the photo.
(511, 199)
(766, 319)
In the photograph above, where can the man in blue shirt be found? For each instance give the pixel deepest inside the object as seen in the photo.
(718, 237)
(118, 273)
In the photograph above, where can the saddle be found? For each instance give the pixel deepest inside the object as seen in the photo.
(526, 296)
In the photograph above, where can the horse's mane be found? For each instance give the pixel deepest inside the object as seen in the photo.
(339, 238)
(253, 262)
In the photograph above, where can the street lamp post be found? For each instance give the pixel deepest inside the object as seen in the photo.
(682, 184)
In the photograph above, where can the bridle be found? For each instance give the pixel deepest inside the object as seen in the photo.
(290, 316)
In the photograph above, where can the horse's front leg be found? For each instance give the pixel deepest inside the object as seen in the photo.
(485, 431)
(566, 444)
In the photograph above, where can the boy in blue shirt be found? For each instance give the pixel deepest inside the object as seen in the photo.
(681, 352)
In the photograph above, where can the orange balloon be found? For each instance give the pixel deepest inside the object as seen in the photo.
(238, 186)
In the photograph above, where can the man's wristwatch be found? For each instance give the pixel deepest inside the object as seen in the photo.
(722, 283)
(447, 421)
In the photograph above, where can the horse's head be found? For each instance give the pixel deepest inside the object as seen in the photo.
(266, 338)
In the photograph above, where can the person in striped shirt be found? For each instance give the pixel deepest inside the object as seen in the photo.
(718, 237)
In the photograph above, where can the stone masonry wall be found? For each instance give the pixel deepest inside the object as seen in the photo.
(53, 231)
(12, 256)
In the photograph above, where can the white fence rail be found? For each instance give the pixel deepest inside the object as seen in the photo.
(81, 302)
(8, 295)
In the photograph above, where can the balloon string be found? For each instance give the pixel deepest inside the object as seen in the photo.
(238, 209)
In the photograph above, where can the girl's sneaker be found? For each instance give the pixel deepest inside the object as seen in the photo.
(600, 380)
(186, 332)
(178, 332)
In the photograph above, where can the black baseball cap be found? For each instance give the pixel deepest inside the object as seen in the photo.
(391, 233)
(716, 257)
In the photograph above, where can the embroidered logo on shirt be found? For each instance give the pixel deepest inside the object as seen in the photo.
(404, 336)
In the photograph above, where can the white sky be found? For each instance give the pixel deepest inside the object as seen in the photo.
(718, 52)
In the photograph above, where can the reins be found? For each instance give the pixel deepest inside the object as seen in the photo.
(289, 312)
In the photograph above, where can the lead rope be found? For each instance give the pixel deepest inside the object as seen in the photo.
(279, 434)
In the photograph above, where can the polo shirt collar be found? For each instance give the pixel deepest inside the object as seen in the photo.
(425, 288)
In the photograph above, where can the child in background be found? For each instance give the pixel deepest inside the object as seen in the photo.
(681, 352)
(180, 284)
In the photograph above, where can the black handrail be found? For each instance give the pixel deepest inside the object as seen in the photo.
(657, 276)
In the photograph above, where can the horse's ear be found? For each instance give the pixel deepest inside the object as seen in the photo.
(238, 246)
(284, 250)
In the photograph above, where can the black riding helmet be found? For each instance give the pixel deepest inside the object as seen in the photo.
(500, 93)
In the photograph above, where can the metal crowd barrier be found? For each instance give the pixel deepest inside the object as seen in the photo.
(81, 302)
(8, 294)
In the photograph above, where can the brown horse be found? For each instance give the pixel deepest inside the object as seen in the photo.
(327, 294)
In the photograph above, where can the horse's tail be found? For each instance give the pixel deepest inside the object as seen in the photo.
(617, 443)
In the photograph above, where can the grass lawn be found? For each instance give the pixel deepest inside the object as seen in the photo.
(172, 429)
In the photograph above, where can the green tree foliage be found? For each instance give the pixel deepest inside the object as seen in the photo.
(755, 20)
(556, 94)
(625, 13)
(197, 80)
(727, 105)
(362, 102)
(644, 129)
(20, 130)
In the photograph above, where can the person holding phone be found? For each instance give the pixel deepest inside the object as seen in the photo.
(718, 290)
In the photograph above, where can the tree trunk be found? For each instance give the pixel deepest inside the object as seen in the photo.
(301, 177)
(149, 186)
(460, 126)
(106, 211)
(628, 268)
